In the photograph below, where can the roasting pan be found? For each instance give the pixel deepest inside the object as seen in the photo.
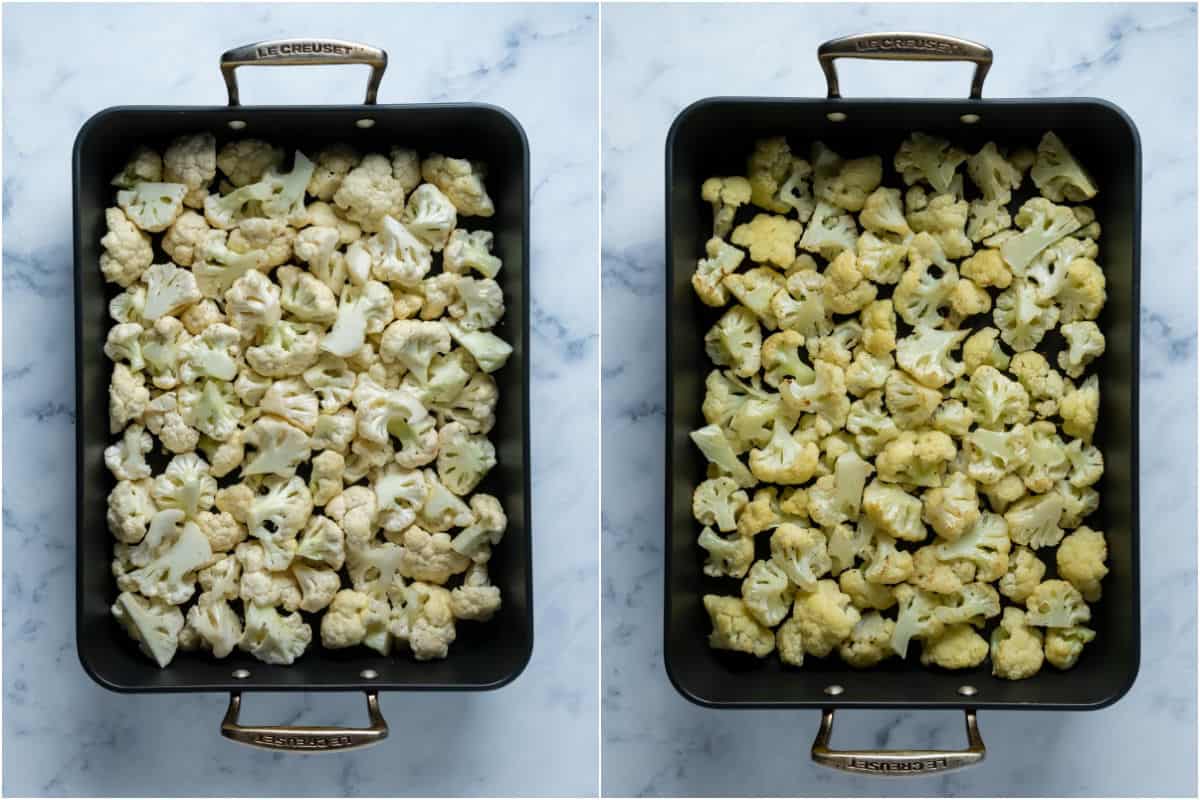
(483, 656)
(712, 137)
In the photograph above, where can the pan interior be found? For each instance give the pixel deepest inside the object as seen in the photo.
(483, 655)
(714, 137)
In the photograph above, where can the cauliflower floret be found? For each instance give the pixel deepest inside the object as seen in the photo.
(334, 431)
(476, 599)
(153, 624)
(127, 307)
(885, 564)
(926, 354)
(843, 183)
(127, 251)
(726, 195)
(369, 192)
(186, 484)
(722, 260)
(1056, 604)
(1022, 322)
(953, 418)
(463, 460)
(991, 455)
(717, 501)
(1085, 342)
(1034, 520)
(413, 344)
(769, 238)
(881, 260)
(781, 359)
(985, 544)
(1016, 648)
(333, 164)
(870, 424)
(735, 629)
(461, 181)
(362, 310)
(344, 623)
(883, 214)
(169, 290)
(923, 295)
(870, 641)
(730, 556)
(252, 303)
(306, 298)
(868, 373)
(211, 408)
(292, 401)
(126, 460)
(945, 219)
(489, 351)
(278, 447)
(916, 618)
(1044, 385)
(332, 380)
(221, 529)
(356, 511)
(930, 159)
(1058, 175)
(1087, 463)
(246, 160)
(1080, 559)
(317, 586)
(217, 625)
(479, 303)
(322, 542)
(1083, 293)
(734, 341)
(276, 516)
(1079, 409)
(802, 306)
(847, 291)
(995, 400)
(981, 348)
(472, 250)
(192, 160)
(932, 574)
(1064, 646)
(171, 575)
(911, 404)
(973, 603)
(953, 508)
(130, 509)
(767, 593)
(325, 481)
(153, 207)
(1047, 461)
(272, 637)
(837, 498)
(144, 166)
(1025, 572)
(426, 622)
(957, 647)
(863, 593)
(967, 300)
(768, 168)
(879, 328)
(995, 175)
(893, 511)
(785, 459)
(830, 231)
(430, 216)
(716, 447)
(398, 256)
(824, 618)
(987, 268)
(800, 555)
(825, 396)
(1042, 224)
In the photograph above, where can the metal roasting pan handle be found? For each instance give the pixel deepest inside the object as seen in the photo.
(295, 52)
(904, 47)
(303, 739)
(897, 762)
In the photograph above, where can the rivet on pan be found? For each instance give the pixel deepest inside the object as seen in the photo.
(366, 122)
(969, 119)
(368, 674)
(237, 124)
(968, 690)
(835, 116)
(241, 674)
(833, 690)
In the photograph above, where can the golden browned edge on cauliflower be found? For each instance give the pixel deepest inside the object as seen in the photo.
(891, 458)
(297, 455)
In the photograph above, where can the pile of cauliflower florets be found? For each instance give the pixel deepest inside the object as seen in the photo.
(320, 393)
(864, 448)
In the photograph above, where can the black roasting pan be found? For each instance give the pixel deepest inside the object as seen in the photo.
(712, 137)
(483, 656)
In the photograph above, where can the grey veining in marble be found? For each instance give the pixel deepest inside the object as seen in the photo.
(657, 60)
(64, 735)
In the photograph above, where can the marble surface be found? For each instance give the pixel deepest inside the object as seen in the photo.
(657, 60)
(64, 735)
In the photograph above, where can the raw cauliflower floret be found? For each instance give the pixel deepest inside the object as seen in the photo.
(928, 158)
(957, 647)
(911, 404)
(1056, 604)
(837, 498)
(130, 508)
(1043, 383)
(317, 586)
(881, 260)
(866, 594)
(801, 307)
(952, 508)
(870, 641)
(734, 341)
(781, 359)
(1021, 320)
(1087, 464)
(883, 214)
(1064, 646)
(1058, 175)
(476, 599)
(785, 459)
(471, 251)
(430, 216)
(953, 418)
(169, 290)
(844, 183)
(993, 174)
(362, 310)
(987, 268)
(767, 593)
(1083, 292)
(945, 219)
(1079, 409)
(923, 296)
(985, 544)
(717, 501)
(729, 556)
(462, 182)
(1047, 462)
(935, 575)
(825, 396)
(126, 460)
(996, 401)
(144, 166)
(1042, 223)
(192, 160)
(1016, 647)
(916, 618)
(246, 160)
(332, 165)
(171, 575)
(885, 564)
(127, 251)
(871, 426)
(879, 328)
(801, 556)
(868, 373)
(222, 530)
(479, 304)
(916, 459)
(972, 603)
(847, 291)
(272, 637)
(796, 192)
(153, 207)
(830, 231)
(825, 618)
(1080, 558)
(734, 628)
(153, 624)
(369, 192)
(344, 623)
(1025, 572)
(726, 195)
(477, 539)
(217, 625)
(893, 511)
(767, 169)
(982, 347)
(1034, 520)
(927, 355)
(1085, 342)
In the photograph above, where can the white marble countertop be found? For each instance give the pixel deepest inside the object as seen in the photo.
(660, 59)
(63, 734)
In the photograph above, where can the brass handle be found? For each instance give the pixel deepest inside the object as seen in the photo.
(296, 52)
(897, 762)
(905, 47)
(304, 739)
